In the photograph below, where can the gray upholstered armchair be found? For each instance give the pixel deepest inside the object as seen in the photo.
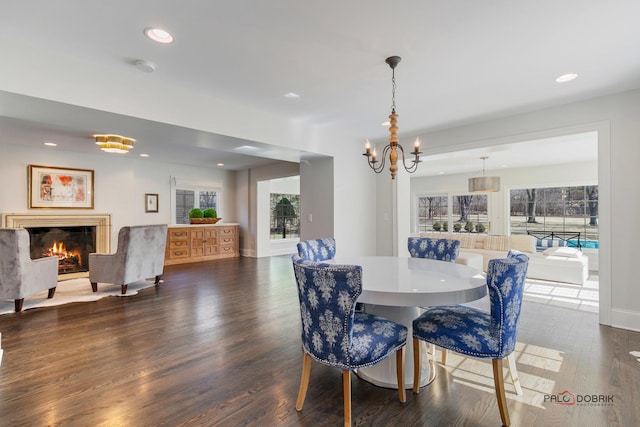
(20, 276)
(140, 255)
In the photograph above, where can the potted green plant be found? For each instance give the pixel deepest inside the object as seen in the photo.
(196, 215)
(437, 226)
(206, 216)
(210, 215)
(468, 226)
(457, 227)
(480, 228)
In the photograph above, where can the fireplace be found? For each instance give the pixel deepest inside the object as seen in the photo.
(79, 235)
(72, 246)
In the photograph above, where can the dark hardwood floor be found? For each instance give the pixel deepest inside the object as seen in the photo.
(217, 344)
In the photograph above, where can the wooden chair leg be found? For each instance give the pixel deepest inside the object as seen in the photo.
(417, 365)
(346, 391)
(124, 289)
(498, 379)
(445, 352)
(304, 380)
(94, 286)
(402, 393)
(157, 280)
(17, 304)
(513, 372)
(52, 292)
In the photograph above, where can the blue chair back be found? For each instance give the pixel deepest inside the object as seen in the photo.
(318, 249)
(505, 279)
(438, 249)
(328, 295)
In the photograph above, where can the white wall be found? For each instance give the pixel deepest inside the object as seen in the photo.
(73, 81)
(120, 183)
(317, 210)
(288, 185)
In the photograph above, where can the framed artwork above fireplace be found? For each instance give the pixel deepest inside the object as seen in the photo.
(60, 188)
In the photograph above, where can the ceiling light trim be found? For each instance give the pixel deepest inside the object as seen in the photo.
(159, 35)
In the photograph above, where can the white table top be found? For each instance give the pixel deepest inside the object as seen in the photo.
(416, 282)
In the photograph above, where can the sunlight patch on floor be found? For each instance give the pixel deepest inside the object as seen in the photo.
(478, 373)
(578, 297)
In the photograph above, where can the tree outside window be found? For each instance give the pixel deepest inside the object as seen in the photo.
(433, 213)
(470, 213)
(285, 216)
(556, 209)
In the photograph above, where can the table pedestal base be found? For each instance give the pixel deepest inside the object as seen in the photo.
(383, 374)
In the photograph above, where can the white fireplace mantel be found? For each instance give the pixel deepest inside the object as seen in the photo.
(102, 222)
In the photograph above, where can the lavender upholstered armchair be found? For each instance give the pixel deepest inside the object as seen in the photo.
(476, 333)
(334, 334)
(140, 255)
(20, 276)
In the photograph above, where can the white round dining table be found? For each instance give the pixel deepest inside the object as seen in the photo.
(397, 288)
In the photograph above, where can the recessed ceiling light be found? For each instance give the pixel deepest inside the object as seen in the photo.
(441, 173)
(291, 95)
(219, 164)
(159, 35)
(144, 155)
(50, 144)
(566, 77)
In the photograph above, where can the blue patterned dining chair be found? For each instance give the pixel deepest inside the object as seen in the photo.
(334, 334)
(317, 249)
(476, 333)
(438, 249)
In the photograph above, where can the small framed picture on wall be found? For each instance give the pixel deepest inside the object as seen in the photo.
(151, 202)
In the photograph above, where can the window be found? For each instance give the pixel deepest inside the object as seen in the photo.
(285, 216)
(470, 213)
(565, 210)
(188, 199)
(433, 213)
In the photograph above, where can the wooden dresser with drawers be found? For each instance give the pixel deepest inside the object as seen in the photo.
(194, 243)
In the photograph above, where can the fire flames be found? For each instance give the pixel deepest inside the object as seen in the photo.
(65, 256)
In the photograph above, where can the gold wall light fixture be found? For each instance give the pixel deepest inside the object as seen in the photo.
(114, 143)
(392, 148)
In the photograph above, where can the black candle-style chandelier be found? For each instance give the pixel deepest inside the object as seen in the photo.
(393, 146)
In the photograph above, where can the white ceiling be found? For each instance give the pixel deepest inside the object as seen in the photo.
(463, 62)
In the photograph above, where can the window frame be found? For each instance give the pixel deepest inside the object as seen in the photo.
(197, 188)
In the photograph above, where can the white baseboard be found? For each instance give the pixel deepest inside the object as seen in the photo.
(250, 253)
(625, 319)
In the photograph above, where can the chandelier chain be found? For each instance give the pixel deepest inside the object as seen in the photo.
(393, 90)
